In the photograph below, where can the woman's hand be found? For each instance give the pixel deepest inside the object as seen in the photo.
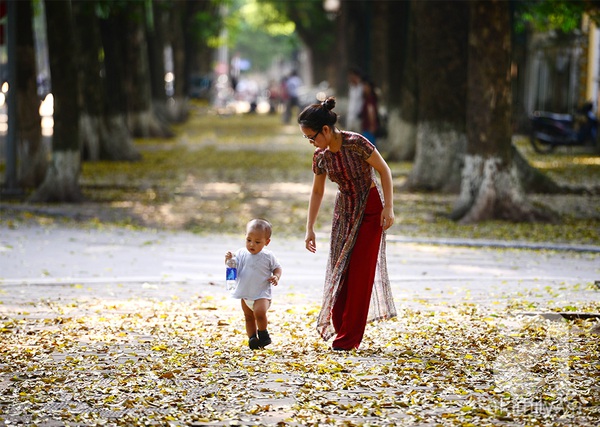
(311, 241)
(387, 217)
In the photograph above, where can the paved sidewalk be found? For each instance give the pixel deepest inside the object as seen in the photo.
(37, 262)
(44, 262)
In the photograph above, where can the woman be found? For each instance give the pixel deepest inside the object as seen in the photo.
(357, 287)
(368, 113)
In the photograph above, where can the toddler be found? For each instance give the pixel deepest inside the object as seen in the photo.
(257, 269)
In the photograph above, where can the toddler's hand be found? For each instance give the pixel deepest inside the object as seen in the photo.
(228, 256)
(274, 280)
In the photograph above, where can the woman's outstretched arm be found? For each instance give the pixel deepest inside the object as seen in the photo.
(316, 197)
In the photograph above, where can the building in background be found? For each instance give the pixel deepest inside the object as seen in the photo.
(555, 71)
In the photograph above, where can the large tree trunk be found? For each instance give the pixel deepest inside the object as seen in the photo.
(96, 135)
(358, 35)
(380, 47)
(62, 179)
(442, 82)
(156, 58)
(33, 155)
(197, 55)
(402, 98)
(337, 65)
(116, 142)
(98, 138)
(179, 17)
(491, 188)
(141, 120)
(90, 67)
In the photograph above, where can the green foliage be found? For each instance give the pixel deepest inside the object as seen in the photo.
(560, 15)
(208, 23)
(260, 32)
(264, 16)
(310, 19)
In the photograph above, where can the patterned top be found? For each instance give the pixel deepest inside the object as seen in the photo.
(348, 168)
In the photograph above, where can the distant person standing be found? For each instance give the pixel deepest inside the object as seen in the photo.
(292, 85)
(369, 121)
(355, 100)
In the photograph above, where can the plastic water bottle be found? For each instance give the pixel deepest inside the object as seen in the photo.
(231, 274)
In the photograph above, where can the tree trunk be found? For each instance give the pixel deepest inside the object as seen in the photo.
(358, 37)
(191, 55)
(402, 98)
(33, 155)
(156, 59)
(198, 55)
(141, 120)
(380, 47)
(90, 81)
(337, 65)
(490, 188)
(116, 138)
(62, 179)
(442, 75)
(181, 47)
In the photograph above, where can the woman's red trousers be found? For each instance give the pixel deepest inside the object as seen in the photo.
(351, 308)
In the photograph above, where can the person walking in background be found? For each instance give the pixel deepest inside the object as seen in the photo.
(357, 287)
(257, 269)
(369, 121)
(355, 100)
(292, 85)
(275, 96)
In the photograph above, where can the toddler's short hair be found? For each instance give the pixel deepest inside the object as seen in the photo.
(260, 224)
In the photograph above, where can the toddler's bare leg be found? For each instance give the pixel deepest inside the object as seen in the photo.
(260, 313)
(250, 319)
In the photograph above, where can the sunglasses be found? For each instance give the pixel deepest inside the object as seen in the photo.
(312, 138)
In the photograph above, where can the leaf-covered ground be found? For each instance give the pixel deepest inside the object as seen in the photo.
(138, 362)
(220, 170)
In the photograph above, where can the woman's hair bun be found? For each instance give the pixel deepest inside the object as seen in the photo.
(319, 114)
(329, 103)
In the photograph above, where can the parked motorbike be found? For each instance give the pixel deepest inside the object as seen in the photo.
(550, 130)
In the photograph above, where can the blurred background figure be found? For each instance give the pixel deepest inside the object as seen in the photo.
(355, 100)
(292, 85)
(369, 120)
(275, 96)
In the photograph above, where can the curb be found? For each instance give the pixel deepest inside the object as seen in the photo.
(495, 244)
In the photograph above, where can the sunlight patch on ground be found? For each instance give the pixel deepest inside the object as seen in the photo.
(587, 161)
(470, 269)
(429, 249)
(288, 188)
(223, 187)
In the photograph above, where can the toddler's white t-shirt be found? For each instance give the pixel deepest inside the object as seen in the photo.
(253, 274)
